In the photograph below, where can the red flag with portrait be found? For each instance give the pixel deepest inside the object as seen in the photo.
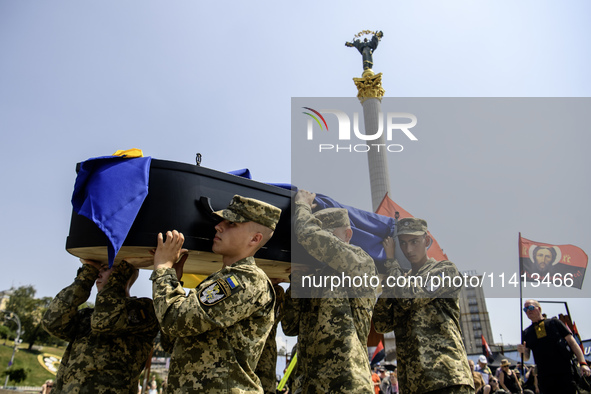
(561, 265)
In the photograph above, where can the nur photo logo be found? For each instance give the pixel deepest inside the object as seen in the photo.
(396, 125)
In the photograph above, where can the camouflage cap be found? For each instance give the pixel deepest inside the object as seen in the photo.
(333, 218)
(411, 226)
(244, 209)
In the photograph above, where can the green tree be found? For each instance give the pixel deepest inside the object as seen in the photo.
(17, 375)
(30, 310)
(6, 333)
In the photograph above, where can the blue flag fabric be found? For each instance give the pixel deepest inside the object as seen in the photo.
(370, 229)
(110, 191)
(244, 173)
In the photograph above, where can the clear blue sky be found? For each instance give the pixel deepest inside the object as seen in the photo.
(83, 79)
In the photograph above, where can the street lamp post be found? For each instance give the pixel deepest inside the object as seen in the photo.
(13, 316)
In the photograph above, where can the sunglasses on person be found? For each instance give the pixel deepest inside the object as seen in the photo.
(529, 308)
(494, 381)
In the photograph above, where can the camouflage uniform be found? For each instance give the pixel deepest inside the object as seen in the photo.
(426, 322)
(110, 343)
(218, 330)
(267, 366)
(332, 328)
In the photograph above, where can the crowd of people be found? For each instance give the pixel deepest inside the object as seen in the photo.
(385, 381)
(152, 386)
(221, 335)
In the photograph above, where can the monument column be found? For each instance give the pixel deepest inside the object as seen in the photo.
(370, 93)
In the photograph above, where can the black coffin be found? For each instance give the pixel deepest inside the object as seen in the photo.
(181, 197)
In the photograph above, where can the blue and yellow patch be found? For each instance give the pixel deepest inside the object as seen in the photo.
(232, 281)
(219, 290)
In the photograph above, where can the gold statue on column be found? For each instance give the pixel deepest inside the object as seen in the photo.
(370, 84)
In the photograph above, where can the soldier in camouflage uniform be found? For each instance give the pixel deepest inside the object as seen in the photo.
(108, 344)
(219, 329)
(424, 315)
(267, 367)
(333, 326)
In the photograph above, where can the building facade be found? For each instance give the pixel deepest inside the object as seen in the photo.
(4, 297)
(474, 319)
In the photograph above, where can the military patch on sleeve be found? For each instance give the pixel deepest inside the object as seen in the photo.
(219, 290)
(232, 281)
(136, 315)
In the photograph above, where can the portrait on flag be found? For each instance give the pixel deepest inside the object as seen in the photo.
(544, 258)
(563, 265)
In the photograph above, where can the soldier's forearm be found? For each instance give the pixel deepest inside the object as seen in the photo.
(117, 282)
(291, 315)
(61, 311)
(420, 290)
(110, 312)
(327, 248)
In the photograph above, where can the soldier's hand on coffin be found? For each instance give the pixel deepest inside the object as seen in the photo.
(95, 264)
(169, 251)
(389, 247)
(180, 264)
(306, 197)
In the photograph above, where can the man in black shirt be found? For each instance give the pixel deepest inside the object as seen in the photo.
(543, 338)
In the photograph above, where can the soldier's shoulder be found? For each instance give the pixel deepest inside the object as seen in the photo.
(140, 302)
(357, 249)
(249, 272)
(249, 280)
(140, 310)
(443, 264)
(360, 253)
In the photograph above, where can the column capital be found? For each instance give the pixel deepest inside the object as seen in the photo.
(369, 86)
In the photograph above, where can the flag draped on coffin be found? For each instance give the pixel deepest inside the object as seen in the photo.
(369, 229)
(389, 208)
(110, 190)
(547, 262)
